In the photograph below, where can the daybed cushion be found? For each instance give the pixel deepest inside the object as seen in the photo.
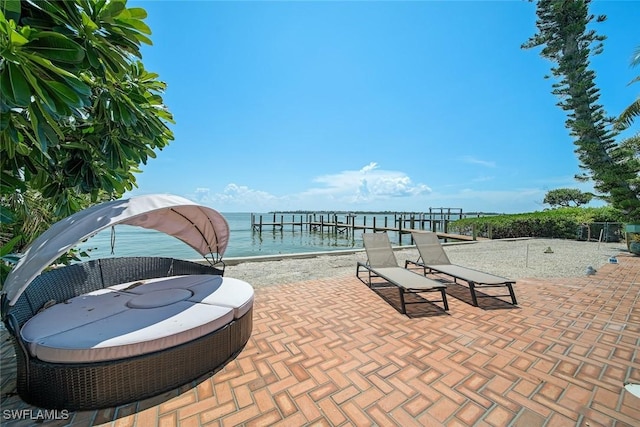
(232, 293)
(132, 320)
(207, 289)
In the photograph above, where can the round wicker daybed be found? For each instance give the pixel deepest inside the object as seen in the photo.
(111, 331)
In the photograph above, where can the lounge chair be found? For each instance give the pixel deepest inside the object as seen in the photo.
(381, 263)
(433, 258)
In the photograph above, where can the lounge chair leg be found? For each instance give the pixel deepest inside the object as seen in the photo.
(513, 294)
(444, 300)
(402, 304)
(473, 294)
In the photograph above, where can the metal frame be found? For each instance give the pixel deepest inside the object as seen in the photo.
(402, 290)
(472, 284)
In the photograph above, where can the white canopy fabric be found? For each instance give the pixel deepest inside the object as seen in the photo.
(201, 227)
(633, 389)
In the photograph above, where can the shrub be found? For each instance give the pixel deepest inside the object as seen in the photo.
(561, 223)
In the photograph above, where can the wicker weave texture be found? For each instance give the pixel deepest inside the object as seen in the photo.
(112, 383)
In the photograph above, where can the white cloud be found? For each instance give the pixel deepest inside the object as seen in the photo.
(483, 178)
(371, 187)
(365, 196)
(342, 190)
(502, 201)
(371, 166)
(366, 185)
(238, 197)
(475, 161)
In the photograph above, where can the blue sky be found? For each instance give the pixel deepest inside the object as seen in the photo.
(396, 106)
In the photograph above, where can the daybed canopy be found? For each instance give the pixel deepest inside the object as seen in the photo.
(200, 227)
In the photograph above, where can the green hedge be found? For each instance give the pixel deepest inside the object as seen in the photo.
(561, 223)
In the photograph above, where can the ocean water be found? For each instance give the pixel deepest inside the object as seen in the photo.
(243, 241)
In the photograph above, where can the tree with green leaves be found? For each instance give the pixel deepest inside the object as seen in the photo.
(79, 112)
(633, 110)
(564, 197)
(566, 41)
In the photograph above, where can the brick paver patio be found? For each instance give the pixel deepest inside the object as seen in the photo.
(334, 353)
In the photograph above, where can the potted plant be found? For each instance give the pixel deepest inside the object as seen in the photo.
(633, 238)
(624, 189)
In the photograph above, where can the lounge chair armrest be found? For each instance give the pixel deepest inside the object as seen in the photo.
(368, 272)
(363, 265)
(416, 264)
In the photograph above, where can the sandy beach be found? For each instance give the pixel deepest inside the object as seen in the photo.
(512, 258)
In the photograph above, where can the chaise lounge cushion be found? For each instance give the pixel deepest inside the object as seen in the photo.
(468, 274)
(136, 318)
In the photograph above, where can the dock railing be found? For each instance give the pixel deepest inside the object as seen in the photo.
(347, 223)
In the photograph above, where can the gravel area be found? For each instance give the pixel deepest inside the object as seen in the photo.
(512, 258)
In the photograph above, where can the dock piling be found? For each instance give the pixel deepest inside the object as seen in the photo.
(436, 220)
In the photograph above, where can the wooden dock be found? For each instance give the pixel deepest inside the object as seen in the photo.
(346, 224)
